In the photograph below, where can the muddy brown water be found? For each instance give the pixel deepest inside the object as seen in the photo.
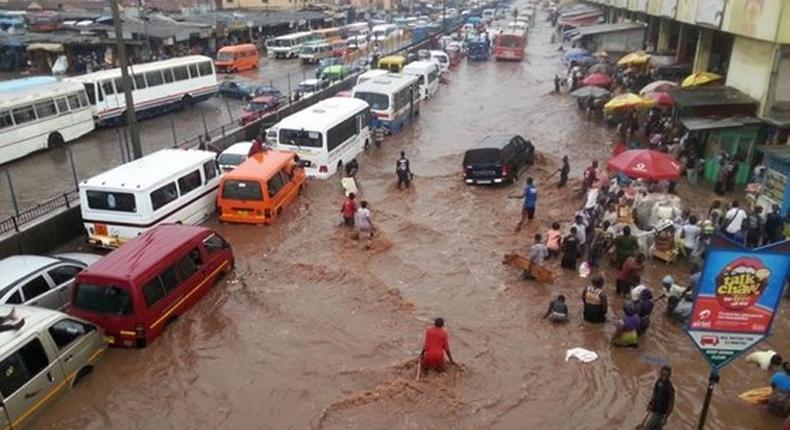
(313, 331)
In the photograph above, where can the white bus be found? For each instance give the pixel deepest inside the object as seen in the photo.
(159, 87)
(428, 72)
(383, 32)
(356, 29)
(170, 185)
(315, 51)
(288, 46)
(37, 116)
(326, 135)
(371, 74)
(393, 99)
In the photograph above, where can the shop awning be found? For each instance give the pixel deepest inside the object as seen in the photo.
(777, 152)
(701, 123)
(710, 96)
(49, 47)
(610, 28)
(780, 119)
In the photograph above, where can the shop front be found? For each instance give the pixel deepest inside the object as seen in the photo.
(734, 136)
(774, 190)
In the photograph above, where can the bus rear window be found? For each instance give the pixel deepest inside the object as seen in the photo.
(111, 201)
(310, 139)
(242, 190)
(103, 300)
(375, 100)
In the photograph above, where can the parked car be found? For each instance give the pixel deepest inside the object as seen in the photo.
(39, 280)
(238, 89)
(258, 107)
(233, 156)
(497, 159)
(309, 87)
(48, 351)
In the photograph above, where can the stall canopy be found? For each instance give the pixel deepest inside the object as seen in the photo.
(713, 101)
(646, 164)
(702, 123)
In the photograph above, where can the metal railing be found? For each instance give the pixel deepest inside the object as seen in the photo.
(15, 222)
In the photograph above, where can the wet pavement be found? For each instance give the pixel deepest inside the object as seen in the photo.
(313, 331)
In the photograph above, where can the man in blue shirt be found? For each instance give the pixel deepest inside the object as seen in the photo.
(530, 197)
(781, 380)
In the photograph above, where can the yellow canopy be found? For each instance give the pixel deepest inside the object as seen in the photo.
(629, 100)
(634, 59)
(702, 78)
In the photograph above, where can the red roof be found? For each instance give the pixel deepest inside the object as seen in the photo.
(136, 257)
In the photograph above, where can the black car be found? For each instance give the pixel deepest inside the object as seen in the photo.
(497, 159)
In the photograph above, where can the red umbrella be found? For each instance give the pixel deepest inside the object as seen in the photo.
(597, 80)
(662, 99)
(645, 164)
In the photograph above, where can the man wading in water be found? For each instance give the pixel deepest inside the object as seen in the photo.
(435, 346)
(403, 170)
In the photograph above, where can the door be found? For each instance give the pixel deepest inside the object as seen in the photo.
(62, 277)
(76, 342)
(27, 378)
(277, 193)
(38, 291)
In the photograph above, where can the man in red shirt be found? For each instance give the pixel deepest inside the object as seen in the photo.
(436, 345)
(630, 274)
(348, 209)
(590, 177)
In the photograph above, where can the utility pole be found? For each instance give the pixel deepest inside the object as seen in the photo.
(131, 117)
(444, 16)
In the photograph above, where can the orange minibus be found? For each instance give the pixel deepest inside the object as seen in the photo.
(258, 190)
(237, 58)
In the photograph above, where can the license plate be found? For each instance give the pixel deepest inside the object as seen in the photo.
(109, 339)
(483, 181)
(101, 229)
(242, 213)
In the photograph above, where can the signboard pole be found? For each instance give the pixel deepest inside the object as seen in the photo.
(712, 381)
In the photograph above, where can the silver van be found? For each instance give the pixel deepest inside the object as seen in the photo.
(42, 354)
(41, 281)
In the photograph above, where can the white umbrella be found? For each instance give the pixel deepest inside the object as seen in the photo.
(661, 86)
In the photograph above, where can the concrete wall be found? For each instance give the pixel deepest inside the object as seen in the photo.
(45, 236)
(750, 68)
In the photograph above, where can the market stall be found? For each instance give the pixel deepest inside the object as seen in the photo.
(774, 189)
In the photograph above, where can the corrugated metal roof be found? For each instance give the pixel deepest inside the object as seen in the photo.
(610, 28)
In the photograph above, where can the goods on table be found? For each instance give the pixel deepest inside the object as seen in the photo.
(540, 273)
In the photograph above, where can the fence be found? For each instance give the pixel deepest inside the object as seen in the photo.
(215, 137)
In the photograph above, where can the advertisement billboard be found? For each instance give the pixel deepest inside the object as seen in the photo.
(738, 294)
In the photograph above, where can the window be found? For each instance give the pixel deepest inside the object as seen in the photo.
(35, 287)
(188, 265)
(163, 195)
(193, 71)
(311, 139)
(63, 105)
(139, 82)
(119, 85)
(74, 102)
(65, 332)
(181, 73)
(210, 170)
(15, 299)
(24, 114)
(169, 279)
(375, 100)
(168, 75)
(18, 369)
(214, 244)
(46, 109)
(189, 182)
(5, 119)
(275, 184)
(111, 201)
(340, 133)
(154, 78)
(107, 88)
(111, 300)
(91, 94)
(205, 68)
(242, 190)
(153, 292)
(83, 100)
(64, 273)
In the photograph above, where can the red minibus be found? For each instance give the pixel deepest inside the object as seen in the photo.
(510, 46)
(135, 291)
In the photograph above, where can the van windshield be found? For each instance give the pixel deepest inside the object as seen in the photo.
(103, 299)
(375, 100)
(225, 56)
(242, 190)
(231, 159)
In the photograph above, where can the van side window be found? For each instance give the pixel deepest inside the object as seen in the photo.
(214, 243)
(189, 182)
(18, 369)
(35, 287)
(163, 195)
(64, 273)
(189, 264)
(210, 170)
(153, 292)
(64, 332)
(275, 184)
(15, 298)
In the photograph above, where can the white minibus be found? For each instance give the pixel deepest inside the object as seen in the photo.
(170, 185)
(393, 99)
(384, 32)
(313, 52)
(158, 87)
(40, 116)
(370, 74)
(428, 73)
(326, 135)
(288, 46)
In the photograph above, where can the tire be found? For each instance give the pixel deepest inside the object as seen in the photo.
(85, 371)
(187, 102)
(55, 140)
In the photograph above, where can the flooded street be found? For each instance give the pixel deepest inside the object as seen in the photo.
(313, 331)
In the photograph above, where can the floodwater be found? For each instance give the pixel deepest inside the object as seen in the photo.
(47, 174)
(314, 331)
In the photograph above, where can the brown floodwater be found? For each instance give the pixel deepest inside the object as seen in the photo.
(314, 331)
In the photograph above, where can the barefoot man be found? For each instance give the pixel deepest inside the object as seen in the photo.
(436, 345)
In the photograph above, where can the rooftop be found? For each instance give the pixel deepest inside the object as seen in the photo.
(34, 317)
(710, 96)
(145, 172)
(18, 266)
